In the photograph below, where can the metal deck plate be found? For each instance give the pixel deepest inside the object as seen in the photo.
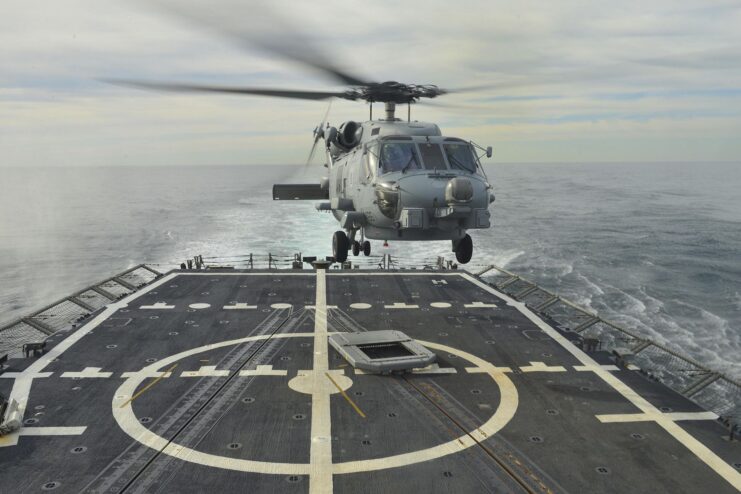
(226, 382)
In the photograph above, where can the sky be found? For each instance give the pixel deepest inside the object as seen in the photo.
(571, 81)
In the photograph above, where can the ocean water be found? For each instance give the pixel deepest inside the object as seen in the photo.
(656, 247)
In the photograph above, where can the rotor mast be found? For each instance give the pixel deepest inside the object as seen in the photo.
(390, 108)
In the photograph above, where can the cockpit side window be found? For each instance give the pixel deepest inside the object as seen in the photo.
(461, 157)
(398, 157)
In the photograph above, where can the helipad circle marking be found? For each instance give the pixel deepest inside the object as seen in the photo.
(199, 306)
(124, 415)
(281, 306)
(360, 305)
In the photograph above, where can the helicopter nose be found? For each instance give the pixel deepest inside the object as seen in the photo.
(458, 189)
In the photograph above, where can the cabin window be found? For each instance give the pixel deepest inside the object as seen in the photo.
(461, 157)
(432, 156)
(399, 157)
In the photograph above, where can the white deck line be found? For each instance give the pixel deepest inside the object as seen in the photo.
(263, 370)
(88, 372)
(22, 385)
(649, 417)
(541, 367)
(51, 431)
(320, 455)
(205, 371)
(726, 471)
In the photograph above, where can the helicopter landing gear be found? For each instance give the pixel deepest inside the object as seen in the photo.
(356, 248)
(463, 249)
(340, 244)
(366, 248)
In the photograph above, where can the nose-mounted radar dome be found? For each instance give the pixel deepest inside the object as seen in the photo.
(458, 189)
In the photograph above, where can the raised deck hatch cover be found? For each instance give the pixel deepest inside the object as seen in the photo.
(381, 351)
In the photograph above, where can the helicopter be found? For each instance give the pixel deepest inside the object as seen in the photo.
(401, 180)
(387, 178)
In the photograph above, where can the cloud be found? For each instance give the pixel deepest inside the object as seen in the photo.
(597, 76)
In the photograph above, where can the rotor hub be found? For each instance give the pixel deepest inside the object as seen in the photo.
(393, 92)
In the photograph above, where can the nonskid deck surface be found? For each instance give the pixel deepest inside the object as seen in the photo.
(225, 381)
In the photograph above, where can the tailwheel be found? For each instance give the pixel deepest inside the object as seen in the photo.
(340, 244)
(463, 249)
(366, 248)
(356, 248)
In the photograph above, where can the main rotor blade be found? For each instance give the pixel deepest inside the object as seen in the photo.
(453, 106)
(279, 93)
(260, 25)
(484, 87)
(631, 69)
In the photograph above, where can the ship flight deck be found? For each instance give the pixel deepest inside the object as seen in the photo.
(225, 381)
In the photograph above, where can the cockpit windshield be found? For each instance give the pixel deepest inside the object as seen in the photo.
(461, 157)
(399, 157)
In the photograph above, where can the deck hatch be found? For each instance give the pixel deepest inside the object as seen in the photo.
(381, 351)
(385, 350)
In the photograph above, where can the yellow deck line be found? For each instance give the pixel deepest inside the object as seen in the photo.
(145, 388)
(344, 395)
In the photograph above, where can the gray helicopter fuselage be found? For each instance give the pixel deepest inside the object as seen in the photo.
(395, 180)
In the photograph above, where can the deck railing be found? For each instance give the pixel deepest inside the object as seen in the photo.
(70, 311)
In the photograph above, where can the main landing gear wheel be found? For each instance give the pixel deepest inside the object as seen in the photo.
(356, 248)
(340, 244)
(366, 248)
(464, 249)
